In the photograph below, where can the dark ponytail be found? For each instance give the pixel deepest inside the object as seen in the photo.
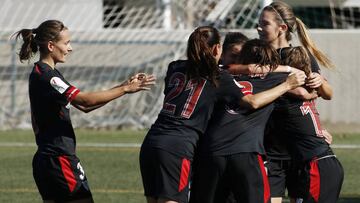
(200, 56)
(29, 47)
(37, 39)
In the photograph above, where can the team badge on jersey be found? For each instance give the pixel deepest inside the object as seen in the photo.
(58, 84)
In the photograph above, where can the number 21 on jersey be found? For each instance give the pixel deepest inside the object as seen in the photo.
(174, 100)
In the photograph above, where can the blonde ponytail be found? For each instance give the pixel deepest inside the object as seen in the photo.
(285, 14)
(306, 41)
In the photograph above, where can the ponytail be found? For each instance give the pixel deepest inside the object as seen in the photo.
(310, 45)
(29, 47)
(37, 39)
(285, 14)
(200, 56)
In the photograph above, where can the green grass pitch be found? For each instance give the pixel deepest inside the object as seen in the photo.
(113, 172)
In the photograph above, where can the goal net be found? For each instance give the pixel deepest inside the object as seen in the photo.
(113, 39)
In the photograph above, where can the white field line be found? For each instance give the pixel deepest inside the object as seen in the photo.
(137, 145)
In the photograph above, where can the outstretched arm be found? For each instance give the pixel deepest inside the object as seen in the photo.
(93, 100)
(253, 69)
(87, 109)
(237, 69)
(302, 93)
(263, 98)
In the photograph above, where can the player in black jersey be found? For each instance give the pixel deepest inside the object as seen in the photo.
(232, 46)
(233, 43)
(230, 153)
(315, 175)
(57, 171)
(276, 24)
(192, 88)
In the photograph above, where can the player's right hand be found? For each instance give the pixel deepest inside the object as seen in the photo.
(296, 79)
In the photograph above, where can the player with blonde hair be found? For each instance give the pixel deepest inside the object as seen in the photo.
(295, 132)
(192, 88)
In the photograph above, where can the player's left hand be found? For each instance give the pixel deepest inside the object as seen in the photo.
(139, 81)
(327, 136)
(314, 80)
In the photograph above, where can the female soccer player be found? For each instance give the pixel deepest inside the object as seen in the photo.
(57, 171)
(311, 178)
(192, 87)
(230, 153)
(276, 24)
(232, 46)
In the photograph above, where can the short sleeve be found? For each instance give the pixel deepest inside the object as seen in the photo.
(229, 90)
(58, 88)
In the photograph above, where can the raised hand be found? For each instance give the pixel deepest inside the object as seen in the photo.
(138, 82)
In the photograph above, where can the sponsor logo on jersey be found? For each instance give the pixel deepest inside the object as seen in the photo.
(58, 84)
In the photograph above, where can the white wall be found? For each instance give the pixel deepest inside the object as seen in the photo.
(342, 113)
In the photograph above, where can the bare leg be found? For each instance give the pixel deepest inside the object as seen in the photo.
(166, 201)
(276, 199)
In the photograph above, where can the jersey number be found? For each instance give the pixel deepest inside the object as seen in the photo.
(308, 107)
(247, 87)
(177, 82)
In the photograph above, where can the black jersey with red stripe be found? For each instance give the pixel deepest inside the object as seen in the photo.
(303, 132)
(287, 112)
(236, 130)
(50, 97)
(187, 107)
(287, 101)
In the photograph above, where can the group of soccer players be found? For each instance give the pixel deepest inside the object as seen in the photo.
(210, 131)
(219, 146)
(193, 88)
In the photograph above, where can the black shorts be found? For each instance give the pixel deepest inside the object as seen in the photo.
(243, 174)
(165, 175)
(60, 178)
(318, 181)
(278, 172)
